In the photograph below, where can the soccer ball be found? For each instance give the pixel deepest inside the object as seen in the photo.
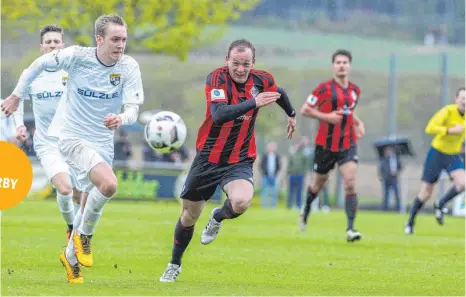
(165, 132)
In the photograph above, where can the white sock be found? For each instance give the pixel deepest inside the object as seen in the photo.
(77, 219)
(69, 253)
(92, 212)
(76, 208)
(65, 204)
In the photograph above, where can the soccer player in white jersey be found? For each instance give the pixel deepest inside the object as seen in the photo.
(45, 92)
(100, 81)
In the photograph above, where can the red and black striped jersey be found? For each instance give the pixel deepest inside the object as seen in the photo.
(233, 141)
(330, 96)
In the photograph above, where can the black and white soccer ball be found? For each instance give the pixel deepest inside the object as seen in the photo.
(165, 132)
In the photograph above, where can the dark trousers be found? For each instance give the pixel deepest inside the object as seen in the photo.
(387, 187)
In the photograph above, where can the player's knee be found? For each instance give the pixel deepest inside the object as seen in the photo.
(189, 217)
(64, 188)
(239, 204)
(350, 185)
(108, 187)
(426, 192)
(316, 187)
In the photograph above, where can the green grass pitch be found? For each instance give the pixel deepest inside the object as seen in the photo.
(260, 253)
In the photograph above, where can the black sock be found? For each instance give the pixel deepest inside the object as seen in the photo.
(70, 227)
(448, 196)
(307, 207)
(417, 205)
(226, 212)
(181, 240)
(310, 197)
(351, 206)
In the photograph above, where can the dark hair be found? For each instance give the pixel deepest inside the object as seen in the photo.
(50, 28)
(459, 90)
(342, 52)
(104, 20)
(242, 44)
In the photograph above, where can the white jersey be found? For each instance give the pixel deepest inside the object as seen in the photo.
(93, 90)
(45, 92)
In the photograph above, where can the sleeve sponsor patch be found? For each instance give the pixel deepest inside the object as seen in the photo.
(312, 100)
(217, 94)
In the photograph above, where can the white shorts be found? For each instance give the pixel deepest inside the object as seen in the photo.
(53, 163)
(82, 156)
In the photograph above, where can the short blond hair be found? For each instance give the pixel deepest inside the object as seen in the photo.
(104, 20)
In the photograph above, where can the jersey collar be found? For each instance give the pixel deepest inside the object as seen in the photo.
(97, 57)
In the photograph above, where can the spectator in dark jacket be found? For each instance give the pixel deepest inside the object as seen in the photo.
(389, 171)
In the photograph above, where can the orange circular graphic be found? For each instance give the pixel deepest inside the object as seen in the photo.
(15, 175)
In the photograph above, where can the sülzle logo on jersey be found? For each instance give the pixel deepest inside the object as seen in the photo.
(115, 79)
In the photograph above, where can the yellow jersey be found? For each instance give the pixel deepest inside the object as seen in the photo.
(447, 117)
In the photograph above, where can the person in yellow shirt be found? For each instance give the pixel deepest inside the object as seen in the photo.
(448, 126)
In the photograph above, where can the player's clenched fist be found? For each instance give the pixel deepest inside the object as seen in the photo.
(266, 98)
(457, 129)
(334, 117)
(112, 121)
(21, 133)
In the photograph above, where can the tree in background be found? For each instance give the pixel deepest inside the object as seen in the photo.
(172, 27)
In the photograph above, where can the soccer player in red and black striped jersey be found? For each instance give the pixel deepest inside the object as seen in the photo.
(226, 147)
(332, 103)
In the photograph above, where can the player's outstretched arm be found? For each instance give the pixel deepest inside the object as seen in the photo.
(18, 115)
(222, 112)
(19, 122)
(55, 60)
(284, 103)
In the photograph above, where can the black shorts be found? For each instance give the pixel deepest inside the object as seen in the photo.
(325, 160)
(204, 177)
